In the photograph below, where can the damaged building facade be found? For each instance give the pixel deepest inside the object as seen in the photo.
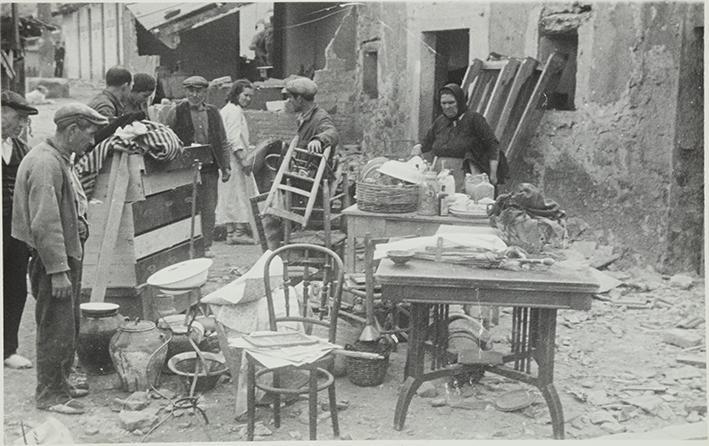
(620, 144)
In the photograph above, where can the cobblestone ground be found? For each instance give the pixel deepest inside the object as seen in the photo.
(615, 372)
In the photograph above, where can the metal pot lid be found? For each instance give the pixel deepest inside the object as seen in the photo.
(138, 326)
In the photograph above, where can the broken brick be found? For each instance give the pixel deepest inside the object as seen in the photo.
(681, 338)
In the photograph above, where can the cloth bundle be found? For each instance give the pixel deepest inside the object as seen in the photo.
(527, 220)
(144, 137)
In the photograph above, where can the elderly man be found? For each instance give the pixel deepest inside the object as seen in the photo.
(15, 117)
(196, 122)
(49, 215)
(111, 101)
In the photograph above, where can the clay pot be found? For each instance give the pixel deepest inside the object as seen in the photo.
(138, 351)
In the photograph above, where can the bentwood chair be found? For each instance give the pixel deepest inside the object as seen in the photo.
(315, 313)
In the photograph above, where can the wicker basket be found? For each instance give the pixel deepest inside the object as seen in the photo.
(368, 372)
(387, 199)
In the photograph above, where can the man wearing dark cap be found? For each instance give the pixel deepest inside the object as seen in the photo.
(15, 117)
(111, 101)
(316, 129)
(49, 215)
(197, 122)
(140, 96)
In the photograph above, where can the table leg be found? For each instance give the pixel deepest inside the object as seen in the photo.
(544, 357)
(413, 371)
(351, 257)
(402, 404)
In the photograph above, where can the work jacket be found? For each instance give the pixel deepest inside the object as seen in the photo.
(44, 213)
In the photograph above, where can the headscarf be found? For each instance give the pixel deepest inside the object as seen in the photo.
(459, 96)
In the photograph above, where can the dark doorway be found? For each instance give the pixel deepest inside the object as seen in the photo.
(567, 44)
(444, 59)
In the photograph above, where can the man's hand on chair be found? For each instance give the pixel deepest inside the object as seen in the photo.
(315, 146)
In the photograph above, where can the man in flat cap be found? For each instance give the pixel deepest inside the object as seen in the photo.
(111, 101)
(49, 215)
(196, 122)
(316, 129)
(15, 118)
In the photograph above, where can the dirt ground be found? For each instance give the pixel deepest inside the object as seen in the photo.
(614, 373)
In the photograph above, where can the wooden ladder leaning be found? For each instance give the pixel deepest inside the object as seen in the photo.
(292, 170)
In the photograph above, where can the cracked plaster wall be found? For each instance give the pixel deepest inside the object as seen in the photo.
(611, 161)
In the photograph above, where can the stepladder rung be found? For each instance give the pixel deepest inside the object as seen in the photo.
(295, 190)
(298, 177)
(278, 212)
(308, 152)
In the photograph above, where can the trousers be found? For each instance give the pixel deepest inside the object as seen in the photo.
(57, 332)
(15, 256)
(207, 201)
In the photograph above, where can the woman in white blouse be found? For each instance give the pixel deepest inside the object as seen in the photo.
(233, 208)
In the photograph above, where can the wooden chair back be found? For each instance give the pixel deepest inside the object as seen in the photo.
(314, 262)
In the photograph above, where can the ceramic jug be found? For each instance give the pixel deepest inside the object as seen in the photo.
(138, 351)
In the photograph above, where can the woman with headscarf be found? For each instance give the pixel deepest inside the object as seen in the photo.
(462, 140)
(233, 207)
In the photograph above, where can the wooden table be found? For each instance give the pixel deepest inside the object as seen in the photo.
(380, 225)
(535, 296)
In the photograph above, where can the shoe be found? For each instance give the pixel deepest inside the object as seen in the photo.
(208, 254)
(15, 361)
(78, 393)
(71, 407)
(241, 240)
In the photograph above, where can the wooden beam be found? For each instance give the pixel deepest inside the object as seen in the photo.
(118, 187)
(533, 111)
(499, 92)
(471, 74)
(523, 73)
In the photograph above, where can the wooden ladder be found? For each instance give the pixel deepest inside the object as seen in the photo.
(280, 195)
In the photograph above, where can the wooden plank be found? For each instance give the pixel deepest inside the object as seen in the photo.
(523, 73)
(533, 111)
(203, 153)
(118, 186)
(162, 209)
(154, 262)
(499, 92)
(518, 109)
(122, 274)
(471, 74)
(161, 181)
(98, 213)
(165, 237)
(489, 79)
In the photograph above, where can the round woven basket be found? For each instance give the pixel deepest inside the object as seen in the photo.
(368, 372)
(387, 199)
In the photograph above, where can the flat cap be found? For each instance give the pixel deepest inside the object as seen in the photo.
(195, 82)
(300, 85)
(74, 111)
(18, 102)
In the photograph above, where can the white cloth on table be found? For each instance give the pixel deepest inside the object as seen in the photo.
(480, 240)
(233, 204)
(277, 357)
